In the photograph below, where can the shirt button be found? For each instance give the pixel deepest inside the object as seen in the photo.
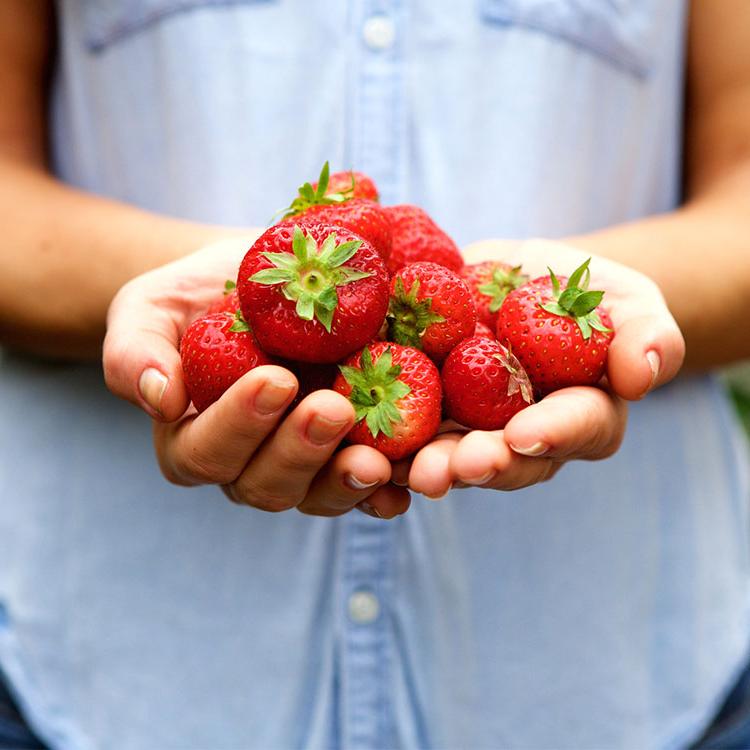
(379, 32)
(364, 607)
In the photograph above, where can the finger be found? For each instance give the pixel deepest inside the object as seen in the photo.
(484, 459)
(387, 502)
(646, 352)
(215, 446)
(400, 472)
(430, 472)
(349, 478)
(581, 422)
(141, 358)
(279, 475)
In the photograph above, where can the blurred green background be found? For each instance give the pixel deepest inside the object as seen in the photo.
(738, 380)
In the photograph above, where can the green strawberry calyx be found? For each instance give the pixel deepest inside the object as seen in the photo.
(229, 287)
(518, 381)
(310, 274)
(576, 301)
(500, 283)
(240, 325)
(409, 317)
(376, 389)
(309, 196)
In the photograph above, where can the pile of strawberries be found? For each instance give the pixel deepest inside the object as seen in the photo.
(382, 292)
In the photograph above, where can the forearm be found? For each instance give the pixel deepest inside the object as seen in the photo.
(700, 257)
(66, 253)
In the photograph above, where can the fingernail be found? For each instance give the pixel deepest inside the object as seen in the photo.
(400, 483)
(321, 430)
(476, 481)
(439, 496)
(538, 449)
(654, 362)
(272, 396)
(355, 484)
(152, 385)
(370, 510)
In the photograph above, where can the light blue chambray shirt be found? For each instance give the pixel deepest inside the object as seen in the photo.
(606, 609)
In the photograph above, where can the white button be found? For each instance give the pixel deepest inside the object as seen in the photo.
(364, 607)
(379, 32)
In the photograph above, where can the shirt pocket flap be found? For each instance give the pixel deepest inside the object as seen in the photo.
(108, 21)
(618, 31)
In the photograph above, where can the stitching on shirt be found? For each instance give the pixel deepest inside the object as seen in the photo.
(507, 13)
(98, 40)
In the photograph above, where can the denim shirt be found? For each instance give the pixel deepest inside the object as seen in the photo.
(604, 609)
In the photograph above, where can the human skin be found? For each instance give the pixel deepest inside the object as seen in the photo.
(77, 250)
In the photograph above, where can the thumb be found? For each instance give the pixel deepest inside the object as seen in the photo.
(141, 358)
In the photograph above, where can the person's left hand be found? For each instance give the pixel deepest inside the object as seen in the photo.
(573, 423)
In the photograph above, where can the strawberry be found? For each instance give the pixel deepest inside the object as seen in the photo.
(483, 330)
(313, 296)
(484, 385)
(430, 309)
(216, 350)
(365, 217)
(311, 377)
(351, 185)
(560, 335)
(417, 237)
(489, 283)
(229, 302)
(396, 394)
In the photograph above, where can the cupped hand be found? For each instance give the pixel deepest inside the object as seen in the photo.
(244, 442)
(573, 423)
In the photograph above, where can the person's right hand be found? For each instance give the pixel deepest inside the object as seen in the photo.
(243, 442)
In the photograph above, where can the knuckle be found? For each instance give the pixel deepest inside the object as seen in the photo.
(263, 498)
(201, 468)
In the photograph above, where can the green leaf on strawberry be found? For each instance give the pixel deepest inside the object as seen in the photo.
(376, 389)
(311, 274)
(500, 284)
(409, 317)
(576, 301)
(308, 195)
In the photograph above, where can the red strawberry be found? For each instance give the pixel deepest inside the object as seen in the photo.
(365, 218)
(216, 350)
(560, 336)
(229, 302)
(313, 296)
(483, 330)
(484, 384)
(417, 237)
(352, 185)
(311, 377)
(396, 393)
(489, 282)
(430, 309)
(345, 209)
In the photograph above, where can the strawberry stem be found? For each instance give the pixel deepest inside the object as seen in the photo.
(311, 274)
(576, 301)
(376, 390)
(408, 317)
